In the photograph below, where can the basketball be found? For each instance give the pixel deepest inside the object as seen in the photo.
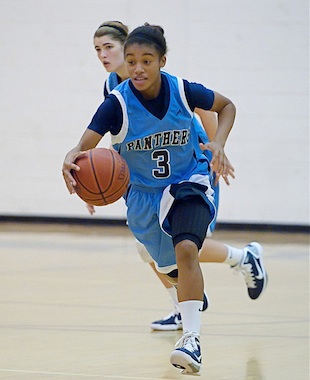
(103, 176)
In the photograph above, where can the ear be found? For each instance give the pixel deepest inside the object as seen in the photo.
(163, 61)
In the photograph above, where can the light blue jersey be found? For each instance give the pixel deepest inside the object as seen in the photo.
(111, 82)
(196, 129)
(160, 153)
(167, 147)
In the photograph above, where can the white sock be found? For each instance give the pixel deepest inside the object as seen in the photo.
(191, 315)
(234, 256)
(174, 296)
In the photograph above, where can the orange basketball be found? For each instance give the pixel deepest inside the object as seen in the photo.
(103, 176)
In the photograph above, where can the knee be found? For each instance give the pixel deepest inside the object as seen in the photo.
(186, 251)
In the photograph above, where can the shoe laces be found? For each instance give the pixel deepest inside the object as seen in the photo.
(188, 339)
(247, 272)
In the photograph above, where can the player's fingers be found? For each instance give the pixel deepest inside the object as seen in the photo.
(226, 180)
(206, 146)
(230, 169)
(81, 153)
(232, 174)
(90, 208)
(69, 180)
(70, 187)
(74, 167)
(215, 161)
(216, 179)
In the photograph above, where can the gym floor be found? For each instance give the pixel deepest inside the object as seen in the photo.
(76, 303)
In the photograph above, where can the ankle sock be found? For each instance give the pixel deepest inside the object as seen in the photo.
(234, 256)
(191, 315)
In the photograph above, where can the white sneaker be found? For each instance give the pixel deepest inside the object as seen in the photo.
(187, 355)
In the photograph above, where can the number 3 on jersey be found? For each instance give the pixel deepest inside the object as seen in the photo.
(162, 158)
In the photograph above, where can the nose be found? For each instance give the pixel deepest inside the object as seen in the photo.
(103, 54)
(138, 69)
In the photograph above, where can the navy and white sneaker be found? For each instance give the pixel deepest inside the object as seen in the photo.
(252, 268)
(187, 354)
(171, 322)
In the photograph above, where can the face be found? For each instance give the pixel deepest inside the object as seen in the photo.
(143, 66)
(110, 52)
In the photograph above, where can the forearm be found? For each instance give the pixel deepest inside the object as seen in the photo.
(209, 122)
(89, 140)
(226, 118)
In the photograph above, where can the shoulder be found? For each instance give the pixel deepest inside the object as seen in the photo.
(110, 83)
(198, 95)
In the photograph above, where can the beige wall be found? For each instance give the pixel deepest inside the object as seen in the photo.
(256, 53)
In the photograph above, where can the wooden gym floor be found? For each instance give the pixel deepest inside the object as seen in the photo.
(76, 303)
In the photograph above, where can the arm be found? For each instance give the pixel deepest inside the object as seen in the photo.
(199, 96)
(226, 115)
(226, 111)
(89, 140)
(108, 118)
(210, 123)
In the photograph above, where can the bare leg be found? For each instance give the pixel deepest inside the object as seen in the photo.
(162, 277)
(213, 252)
(190, 280)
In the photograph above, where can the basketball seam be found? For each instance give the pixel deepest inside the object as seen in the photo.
(95, 175)
(124, 184)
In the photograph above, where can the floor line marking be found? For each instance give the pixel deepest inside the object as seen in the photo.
(80, 374)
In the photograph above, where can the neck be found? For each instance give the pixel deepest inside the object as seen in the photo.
(122, 73)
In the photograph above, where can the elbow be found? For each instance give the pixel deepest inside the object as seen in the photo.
(232, 108)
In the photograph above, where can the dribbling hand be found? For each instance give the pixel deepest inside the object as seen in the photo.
(69, 165)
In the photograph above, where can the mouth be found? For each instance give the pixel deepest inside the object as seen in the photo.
(140, 80)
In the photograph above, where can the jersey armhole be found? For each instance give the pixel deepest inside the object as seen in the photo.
(119, 138)
(183, 96)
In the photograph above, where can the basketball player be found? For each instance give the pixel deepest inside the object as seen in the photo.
(109, 39)
(170, 201)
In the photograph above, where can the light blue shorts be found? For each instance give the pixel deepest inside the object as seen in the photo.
(147, 210)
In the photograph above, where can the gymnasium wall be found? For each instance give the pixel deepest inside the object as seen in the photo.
(254, 52)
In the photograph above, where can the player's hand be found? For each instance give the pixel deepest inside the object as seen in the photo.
(90, 208)
(69, 165)
(225, 176)
(220, 165)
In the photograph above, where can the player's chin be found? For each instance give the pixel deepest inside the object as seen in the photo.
(140, 85)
